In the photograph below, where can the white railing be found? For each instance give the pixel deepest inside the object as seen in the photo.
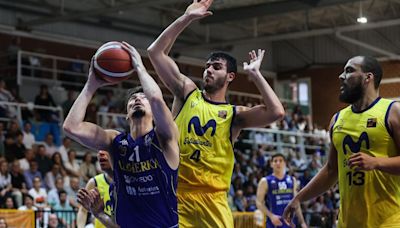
(280, 139)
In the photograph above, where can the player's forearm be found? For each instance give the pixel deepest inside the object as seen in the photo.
(261, 206)
(389, 165)
(149, 85)
(167, 38)
(270, 99)
(81, 217)
(77, 112)
(106, 220)
(323, 181)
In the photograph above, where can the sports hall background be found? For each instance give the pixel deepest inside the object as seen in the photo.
(307, 42)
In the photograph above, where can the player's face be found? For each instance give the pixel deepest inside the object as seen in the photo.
(138, 106)
(104, 160)
(278, 163)
(215, 75)
(351, 81)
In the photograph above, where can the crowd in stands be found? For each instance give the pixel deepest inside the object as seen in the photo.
(41, 171)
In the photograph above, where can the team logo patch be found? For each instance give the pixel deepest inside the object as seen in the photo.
(194, 103)
(222, 114)
(122, 150)
(371, 122)
(147, 140)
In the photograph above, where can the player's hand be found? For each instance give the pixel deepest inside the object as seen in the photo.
(93, 80)
(362, 161)
(255, 62)
(137, 62)
(276, 220)
(199, 9)
(290, 211)
(303, 225)
(84, 198)
(97, 205)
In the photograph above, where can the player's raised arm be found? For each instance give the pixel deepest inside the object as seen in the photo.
(166, 68)
(86, 133)
(166, 129)
(271, 110)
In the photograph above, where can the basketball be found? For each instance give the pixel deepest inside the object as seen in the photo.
(112, 63)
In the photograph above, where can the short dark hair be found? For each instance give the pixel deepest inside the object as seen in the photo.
(131, 92)
(231, 63)
(278, 155)
(62, 191)
(370, 64)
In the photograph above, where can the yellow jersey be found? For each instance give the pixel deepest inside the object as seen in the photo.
(104, 189)
(368, 199)
(205, 143)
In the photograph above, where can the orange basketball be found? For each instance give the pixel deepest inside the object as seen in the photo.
(112, 62)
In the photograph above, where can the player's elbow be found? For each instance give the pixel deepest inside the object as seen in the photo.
(69, 128)
(152, 51)
(279, 113)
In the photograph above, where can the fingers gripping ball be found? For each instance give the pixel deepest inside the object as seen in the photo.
(112, 63)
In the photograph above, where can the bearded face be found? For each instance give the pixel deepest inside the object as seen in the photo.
(351, 92)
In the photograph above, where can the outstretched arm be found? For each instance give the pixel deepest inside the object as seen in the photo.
(323, 181)
(272, 109)
(86, 133)
(299, 213)
(166, 68)
(166, 129)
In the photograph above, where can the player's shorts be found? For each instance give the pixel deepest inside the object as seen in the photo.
(204, 210)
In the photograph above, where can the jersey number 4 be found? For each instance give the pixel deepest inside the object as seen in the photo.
(195, 155)
(135, 154)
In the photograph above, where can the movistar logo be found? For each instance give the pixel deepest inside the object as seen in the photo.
(201, 130)
(355, 146)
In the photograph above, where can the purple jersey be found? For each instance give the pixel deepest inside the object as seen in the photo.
(145, 185)
(280, 192)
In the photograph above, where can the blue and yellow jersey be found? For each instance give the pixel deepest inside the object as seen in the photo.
(104, 189)
(205, 142)
(368, 199)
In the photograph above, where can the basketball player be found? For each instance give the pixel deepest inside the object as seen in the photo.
(364, 154)
(278, 188)
(145, 160)
(102, 183)
(208, 124)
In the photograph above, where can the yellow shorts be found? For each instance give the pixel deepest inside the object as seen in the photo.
(204, 210)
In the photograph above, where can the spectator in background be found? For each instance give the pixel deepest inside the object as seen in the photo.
(18, 183)
(44, 98)
(17, 149)
(72, 191)
(43, 160)
(64, 148)
(12, 51)
(54, 223)
(28, 137)
(24, 162)
(57, 160)
(51, 176)
(67, 104)
(240, 201)
(2, 138)
(5, 95)
(28, 203)
(52, 196)
(49, 145)
(31, 174)
(9, 203)
(87, 169)
(63, 205)
(38, 194)
(72, 165)
(237, 172)
(5, 181)
(298, 162)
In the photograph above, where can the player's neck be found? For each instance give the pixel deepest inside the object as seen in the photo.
(365, 101)
(140, 127)
(278, 174)
(217, 96)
